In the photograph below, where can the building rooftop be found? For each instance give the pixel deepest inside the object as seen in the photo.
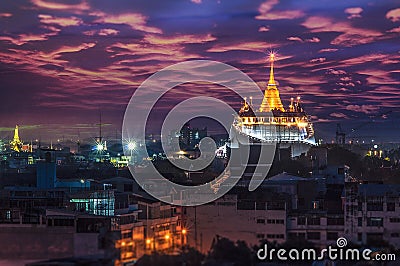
(379, 190)
(287, 177)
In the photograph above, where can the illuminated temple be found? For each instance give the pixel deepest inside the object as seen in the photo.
(288, 127)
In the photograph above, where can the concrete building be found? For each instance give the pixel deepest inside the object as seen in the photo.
(372, 213)
(236, 219)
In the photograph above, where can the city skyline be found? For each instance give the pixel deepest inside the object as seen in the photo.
(60, 63)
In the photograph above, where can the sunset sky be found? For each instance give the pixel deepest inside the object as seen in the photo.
(63, 61)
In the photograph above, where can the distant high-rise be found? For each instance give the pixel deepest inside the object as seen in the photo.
(190, 137)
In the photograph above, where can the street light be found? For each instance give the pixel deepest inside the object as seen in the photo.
(183, 237)
(100, 147)
(131, 145)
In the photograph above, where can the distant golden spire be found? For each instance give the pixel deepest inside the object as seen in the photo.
(16, 142)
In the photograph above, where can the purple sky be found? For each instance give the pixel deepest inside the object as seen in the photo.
(62, 61)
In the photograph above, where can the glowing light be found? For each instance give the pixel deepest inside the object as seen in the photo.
(301, 124)
(148, 241)
(184, 231)
(167, 236)
(131, 145)
(272, 56)
(100, 147)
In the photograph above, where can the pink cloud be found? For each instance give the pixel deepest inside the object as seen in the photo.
(25, 38)
(327, 50)
(67, 49)
(318, 60)
(196, 1)
(5, 15)
(179, 39)
(338, 115)
(382, 58)
(101, 32)
(263, 29)
(366, 108)
(378, 77)
(246, 46)
(295, 38)
(396, 30)
(266, 12)
(336, 72)
(393, 15)
(170, 53)
(353, 12)
(136, 21)
(312, 40)
(350, 36)
(63, 22)
(61, 6)
(107, 32)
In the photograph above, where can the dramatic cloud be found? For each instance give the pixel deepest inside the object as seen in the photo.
(295, 38)
(353, 12)
(101, 32)
(136, 21)
(263, 29)
(267, 12)
(327, 50)
(318, 60)
(393, 15)
(338, 115)
(367, 109)
(64, 22)
(350, 36)
(5, 15)
(179, 39)
(82, 6)
(248, 46)
(68, 58)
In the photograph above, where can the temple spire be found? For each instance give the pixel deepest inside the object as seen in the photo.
(271, 72)
(271, 100)
(16, 142)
